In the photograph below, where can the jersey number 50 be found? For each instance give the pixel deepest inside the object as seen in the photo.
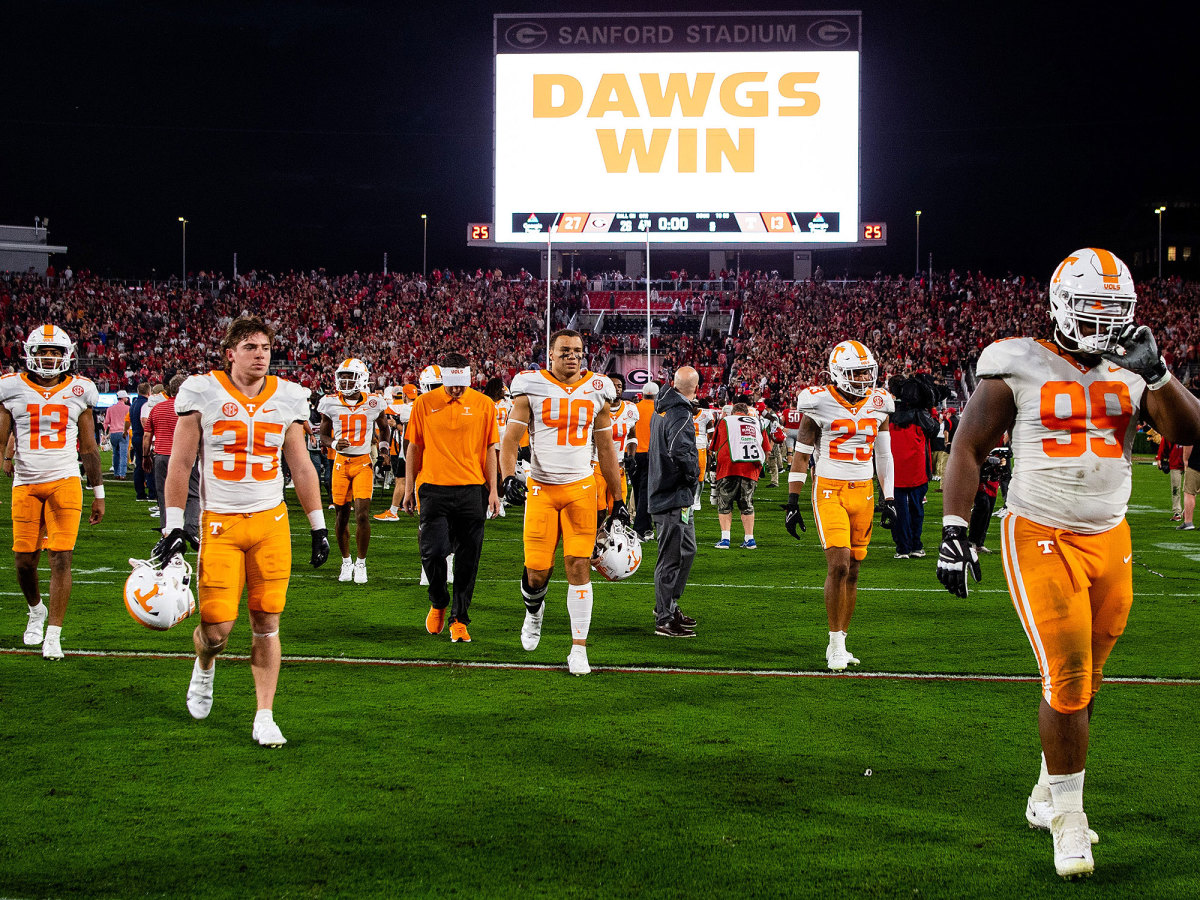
(1084, 414)
(242, 446)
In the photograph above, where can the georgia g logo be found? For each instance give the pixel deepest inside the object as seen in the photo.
(229, 409)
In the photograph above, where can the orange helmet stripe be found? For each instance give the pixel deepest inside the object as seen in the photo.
(859, 349)
(1109, 269)
(47, 332)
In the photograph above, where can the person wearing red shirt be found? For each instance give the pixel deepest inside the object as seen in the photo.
(157, 439)
(910, 452)
(739, 463)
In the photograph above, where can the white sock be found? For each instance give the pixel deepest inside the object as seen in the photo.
(1043, 774)
(263, 715)
(395, 510)
(749, 535)
(39, 608)
(361, 561)
(347, 560)
(579, 606)
(55, 631)
(1067, 792)
(724, 535)
(837, 640)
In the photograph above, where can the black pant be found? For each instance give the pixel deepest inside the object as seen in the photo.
(452, 518)
(641, 476)
(143, 487)
(981, 518)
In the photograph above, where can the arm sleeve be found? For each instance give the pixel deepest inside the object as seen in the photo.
(884, 465)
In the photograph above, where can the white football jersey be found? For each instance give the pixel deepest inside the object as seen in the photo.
(624, 418)
(1073, 434)
(564, 416)
(503, 410)
(353, 421)
(46, 425)
(703, 419)
(241, 438)
(848, 429)
(402, 410)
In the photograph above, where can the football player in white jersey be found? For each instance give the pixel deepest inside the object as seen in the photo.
(399, 409)
(566, 411)
(624, 421)
(48, 411)
(1072, 406)
(849, 418)
(349, 417)
(238, 421)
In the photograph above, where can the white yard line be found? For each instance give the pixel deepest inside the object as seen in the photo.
(635, 670)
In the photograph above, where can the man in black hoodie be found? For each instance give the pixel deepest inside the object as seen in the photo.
(674, 468)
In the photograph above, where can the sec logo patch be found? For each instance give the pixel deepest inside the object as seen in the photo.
(230, 409)
(77, 390)
(877, 401)
(598, 384)
(372, 403)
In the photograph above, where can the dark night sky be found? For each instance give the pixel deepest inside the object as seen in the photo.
(315, 134)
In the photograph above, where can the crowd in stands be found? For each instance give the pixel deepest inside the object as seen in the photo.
(779, 341)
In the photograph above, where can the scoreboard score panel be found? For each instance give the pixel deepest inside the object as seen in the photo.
(737, 147)
(689, 225)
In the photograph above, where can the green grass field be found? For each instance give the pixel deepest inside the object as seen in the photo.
(409, 774)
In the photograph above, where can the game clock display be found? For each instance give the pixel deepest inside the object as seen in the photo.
(676, 223)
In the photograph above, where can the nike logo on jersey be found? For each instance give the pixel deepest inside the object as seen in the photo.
(280, 516)
(1114, 368)
(1127, 559)
(264, 409)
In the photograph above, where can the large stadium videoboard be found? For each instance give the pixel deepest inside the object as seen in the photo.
(693, 129)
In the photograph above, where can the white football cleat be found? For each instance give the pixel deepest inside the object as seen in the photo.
(837, 660)
(200, 690)
(266, 732)
(360, 572)
(347, 572)
(51, 648)
(1040, 813)
(531, 630)
(36, 625)
(1072, 848)
(577, 661)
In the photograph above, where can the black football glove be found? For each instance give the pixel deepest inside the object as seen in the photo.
(1137, 351)
(620, 513)
(792, 519)
(320, 547)
(173, 544)
(955, 559)
(887, 516)
(513, 491)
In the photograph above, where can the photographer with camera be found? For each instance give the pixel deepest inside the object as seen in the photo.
(990, 473)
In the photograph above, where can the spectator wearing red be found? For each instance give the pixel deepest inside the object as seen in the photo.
(910, 453)
(1170, 460)
(156, 454)
(740, 461)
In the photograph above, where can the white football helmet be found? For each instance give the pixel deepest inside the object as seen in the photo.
(352, 377)
(853, 368)
(1092, 299)
(431, 377)
(618, 551)
(159, 598)
(48, 337)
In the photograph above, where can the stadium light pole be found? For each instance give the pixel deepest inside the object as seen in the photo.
(424, 244)
(918, 268)
(649, 371)
(184, 221)
(549, 262)
(1159, 212)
